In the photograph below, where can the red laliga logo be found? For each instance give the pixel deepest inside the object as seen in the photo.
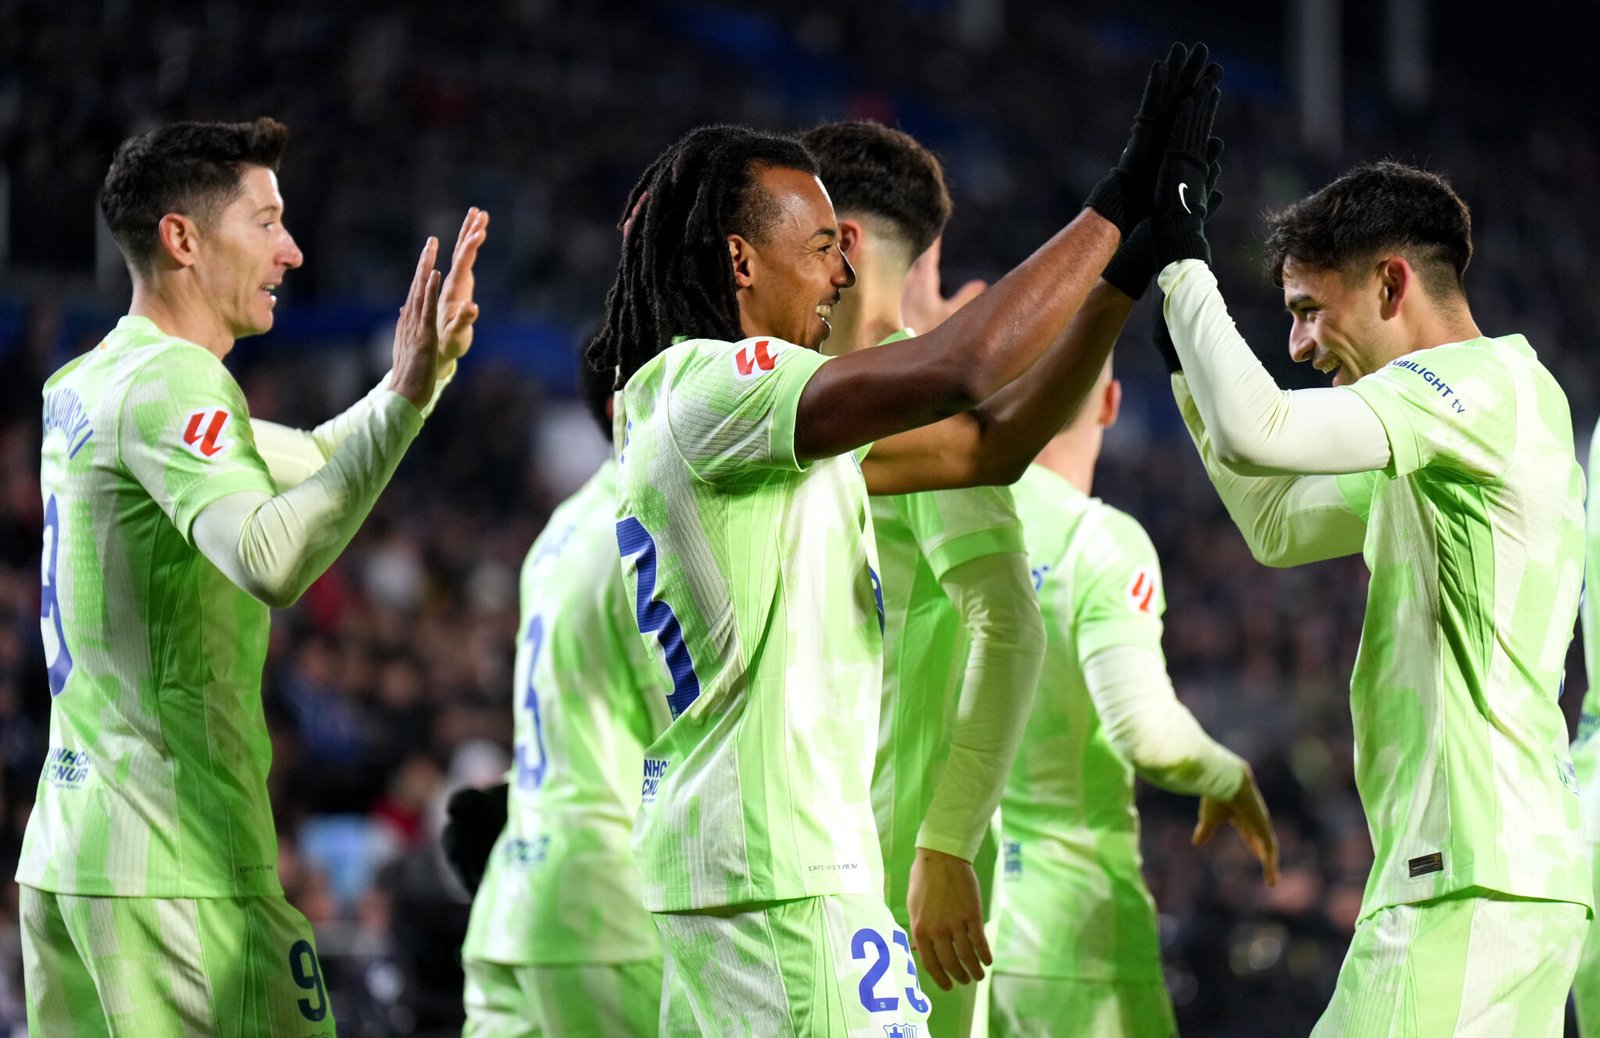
(753, 364)
(203, 432)
(1142, 592)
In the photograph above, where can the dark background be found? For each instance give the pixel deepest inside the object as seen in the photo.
(389, 683)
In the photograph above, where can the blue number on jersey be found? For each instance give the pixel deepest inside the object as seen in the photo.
(655, 616)
(530, 773)
(871, 1001)
(56, 656)
(877, 595)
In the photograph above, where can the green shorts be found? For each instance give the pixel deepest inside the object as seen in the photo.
(622, 999)
(1467, 965)
(233, 967)
(818, 967)
(1066, 1007)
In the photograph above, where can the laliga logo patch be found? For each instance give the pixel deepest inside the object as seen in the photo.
(1142, 591)
(753, 362)
(202, 432)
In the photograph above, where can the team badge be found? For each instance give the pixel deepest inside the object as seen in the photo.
(203, 432)
(1142, 590)
(899, 1031)
(754, 361)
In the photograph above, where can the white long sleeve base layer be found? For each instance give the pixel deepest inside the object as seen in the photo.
(994, 595)
(1255, 427)
(274, 547)
(1152, 729)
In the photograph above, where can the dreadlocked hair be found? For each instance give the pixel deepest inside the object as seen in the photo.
(675, 276)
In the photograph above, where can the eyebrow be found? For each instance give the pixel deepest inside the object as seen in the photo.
(273, 208)
(825, 232)
(1298, 301)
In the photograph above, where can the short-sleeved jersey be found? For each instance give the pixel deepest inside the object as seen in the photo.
(561, 887)
(155, 783)
(920, 538)
(755, 586)
(1586, 747)
(1475, 543)
(1074, 902)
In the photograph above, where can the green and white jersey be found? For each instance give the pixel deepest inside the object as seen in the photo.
(920, 538)
(1073, 900)
(155, 784)
(1475, 543)
(755, 587)
(561, 887)
(1586, 747)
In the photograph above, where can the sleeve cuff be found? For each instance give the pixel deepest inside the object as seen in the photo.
(786, 413)
(997, 540)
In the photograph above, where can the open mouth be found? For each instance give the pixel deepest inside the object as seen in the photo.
(825, 311)
(268, 288)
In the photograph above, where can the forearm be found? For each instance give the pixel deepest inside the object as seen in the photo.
(871, 394)
(1285, 520)
(1142, 717)
(1255, 427)
(1015, 423)
(293, 455)
(994, 596)
(274, 547)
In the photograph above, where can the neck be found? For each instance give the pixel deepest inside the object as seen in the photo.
(868, 313)
(170, 302)
(1073, 452)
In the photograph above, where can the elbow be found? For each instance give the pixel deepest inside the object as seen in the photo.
(275, 595)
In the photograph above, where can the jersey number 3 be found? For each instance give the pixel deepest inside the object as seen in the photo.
(56, 656)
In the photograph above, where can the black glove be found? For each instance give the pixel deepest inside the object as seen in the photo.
(1134, 265)
(1122, 197)
(1178, 214)
(475, 818)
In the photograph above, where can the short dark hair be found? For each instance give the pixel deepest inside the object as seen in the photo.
(675, 276)
(871, 170)
(190, 168)
(1376, 208)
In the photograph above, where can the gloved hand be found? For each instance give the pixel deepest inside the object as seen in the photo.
(1178, 212)
(474, 819)
(1123, 196)
(1134, 266)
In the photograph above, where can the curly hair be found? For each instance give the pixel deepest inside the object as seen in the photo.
(675, 276)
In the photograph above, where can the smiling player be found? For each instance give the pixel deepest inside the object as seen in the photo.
(150, 895)
(1445, 457)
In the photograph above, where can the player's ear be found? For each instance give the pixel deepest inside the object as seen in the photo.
(1111, 404)
(742, 255)
(180, 239)
(1396, 278)
(850, 239)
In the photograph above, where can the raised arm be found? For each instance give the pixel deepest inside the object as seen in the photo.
(864, 397)
(1286, 520)
(274, 546)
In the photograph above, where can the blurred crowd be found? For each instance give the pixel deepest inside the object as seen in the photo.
(389, 683)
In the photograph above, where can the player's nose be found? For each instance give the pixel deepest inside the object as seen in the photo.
(845, 276)
(290, 255)
(1301, 347)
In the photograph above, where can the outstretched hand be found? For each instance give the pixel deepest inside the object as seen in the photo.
(458, 311)
(1178, 213)
(1123, 197)
(1247, 813)
(921, 305)
(416, 333)
(946, 910)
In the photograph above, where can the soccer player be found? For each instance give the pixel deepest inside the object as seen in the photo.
(746, 539)
(1076, 947)
(1586, 755)
(560, 942)
(1446, 457)
(149, 885)
(962, 638)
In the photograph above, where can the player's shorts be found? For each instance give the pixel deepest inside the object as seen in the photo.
(1586, 984)
(237, 967)
(829, 966)
(1067, 1007)
(1485, 965)
(622, 999)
